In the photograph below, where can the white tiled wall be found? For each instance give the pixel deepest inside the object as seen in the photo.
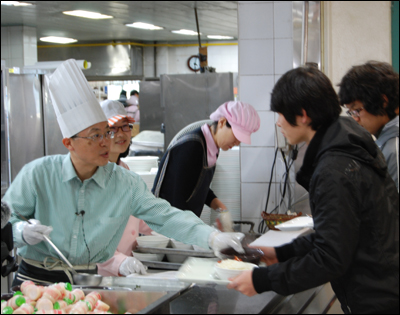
(265, 53)
(18, 46)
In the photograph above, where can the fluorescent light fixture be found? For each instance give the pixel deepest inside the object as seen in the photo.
(58, 40)
(15, 3)
(87, 14)
(144, 26)
(185, 32)
(219, 37)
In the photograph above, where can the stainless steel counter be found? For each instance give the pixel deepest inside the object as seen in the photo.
(180, 298)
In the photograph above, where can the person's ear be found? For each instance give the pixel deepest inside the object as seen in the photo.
(305, 119)
(67, 142)
(221, 122)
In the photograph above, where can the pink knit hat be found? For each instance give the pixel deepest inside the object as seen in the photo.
(241, 116)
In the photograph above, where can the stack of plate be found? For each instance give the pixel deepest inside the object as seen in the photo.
(141, 163)
(226, 185)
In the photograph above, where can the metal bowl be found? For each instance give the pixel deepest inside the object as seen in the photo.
(251, 255)
(87, 279)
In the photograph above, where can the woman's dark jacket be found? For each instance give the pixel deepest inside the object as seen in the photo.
(355, 207)
(187, 179)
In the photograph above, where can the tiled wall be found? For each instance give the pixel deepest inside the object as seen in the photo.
(265, 53)
(173, 60)
(18, 46)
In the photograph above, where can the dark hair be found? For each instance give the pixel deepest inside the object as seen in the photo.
(367, 83)
(133, 92)
(215, 125)
(309, 89)
(123, 92)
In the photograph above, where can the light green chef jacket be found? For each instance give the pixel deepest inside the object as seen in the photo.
(49, 190)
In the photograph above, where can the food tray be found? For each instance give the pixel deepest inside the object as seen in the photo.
(174, 251)
(161, 265)
(274, 219)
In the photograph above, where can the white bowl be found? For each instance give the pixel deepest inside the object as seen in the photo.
(177, 259)
(148, 257)
(225, 274)
(153, 241)
(180, 245)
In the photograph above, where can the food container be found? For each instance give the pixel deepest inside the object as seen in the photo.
(225, 274)
(251, 255)
(148, 257)
(153, 241)
(274, 219)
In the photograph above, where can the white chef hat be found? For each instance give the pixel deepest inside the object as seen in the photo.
(73, 99)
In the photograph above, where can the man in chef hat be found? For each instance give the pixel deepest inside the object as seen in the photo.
(86, 200)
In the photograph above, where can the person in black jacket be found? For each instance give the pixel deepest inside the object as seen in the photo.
(187, 168)
(354, 204)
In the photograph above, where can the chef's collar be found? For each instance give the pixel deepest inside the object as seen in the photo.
(69, 173)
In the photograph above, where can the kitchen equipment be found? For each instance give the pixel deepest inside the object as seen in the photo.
(251, 255)
(271, 220)
(250, 236)
(153, 241)
(148, 256)
(79, 278)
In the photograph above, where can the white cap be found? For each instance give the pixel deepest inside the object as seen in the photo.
(115, 111)
(73, 99)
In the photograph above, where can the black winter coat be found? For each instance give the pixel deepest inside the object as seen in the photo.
(355, 207)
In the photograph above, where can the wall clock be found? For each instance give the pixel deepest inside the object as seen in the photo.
(194, 63)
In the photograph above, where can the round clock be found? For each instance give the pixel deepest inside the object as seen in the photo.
(194, 63)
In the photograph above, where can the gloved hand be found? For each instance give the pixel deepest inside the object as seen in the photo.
(224, 220)
(132, 265)
(33, 233)
(219, 241)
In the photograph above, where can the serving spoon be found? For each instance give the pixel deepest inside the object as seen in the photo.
(79, 278)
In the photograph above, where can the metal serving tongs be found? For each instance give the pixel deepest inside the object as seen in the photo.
(79, 278)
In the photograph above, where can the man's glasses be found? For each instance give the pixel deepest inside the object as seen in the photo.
(98, 137)
(354, 112)
(125, 128)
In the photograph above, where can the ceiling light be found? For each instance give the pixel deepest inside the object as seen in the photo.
(88, 15)
(58, 40)
(185, 32)
(144, 26)
(219, 37)
(15, 3)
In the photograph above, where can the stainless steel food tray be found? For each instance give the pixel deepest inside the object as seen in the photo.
(161, 265)
(174, 251)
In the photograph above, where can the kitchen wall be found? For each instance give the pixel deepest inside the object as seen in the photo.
(173, 60)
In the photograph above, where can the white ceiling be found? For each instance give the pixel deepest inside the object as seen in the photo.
(215, 18)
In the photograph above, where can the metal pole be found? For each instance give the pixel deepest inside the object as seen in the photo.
(305, 30)
(197, 23)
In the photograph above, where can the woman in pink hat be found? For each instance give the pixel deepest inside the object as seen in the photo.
(187, 168)
(122, 263)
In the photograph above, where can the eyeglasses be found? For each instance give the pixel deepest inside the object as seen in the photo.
(98, 137)
(354, 112)
(125, 128)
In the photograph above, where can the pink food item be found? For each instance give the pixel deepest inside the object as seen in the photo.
(33, 292)
(24, 309)
(79, 295)
(52, 294)
(95, 295)
(3, 305)
(98, 312)
(91, 300)
(50, 312)
(60, 287)
(69, 297)
(79, 308)
(44, 304)
(60, 305)
(68, 309)
(16, 301)
(24, 285)
(101, 306)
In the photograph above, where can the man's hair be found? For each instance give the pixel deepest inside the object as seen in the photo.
(367, 83)
(133, 92)
(309, 89)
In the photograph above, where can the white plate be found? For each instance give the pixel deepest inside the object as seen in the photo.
(296, 224)
(200, 270)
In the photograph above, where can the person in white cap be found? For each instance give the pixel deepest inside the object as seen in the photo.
(86, 199)
(187, 168)
(122, 263)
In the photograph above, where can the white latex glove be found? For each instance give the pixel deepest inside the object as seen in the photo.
(33, 233)
(132, 265)
(219, 241)
(224, 220)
